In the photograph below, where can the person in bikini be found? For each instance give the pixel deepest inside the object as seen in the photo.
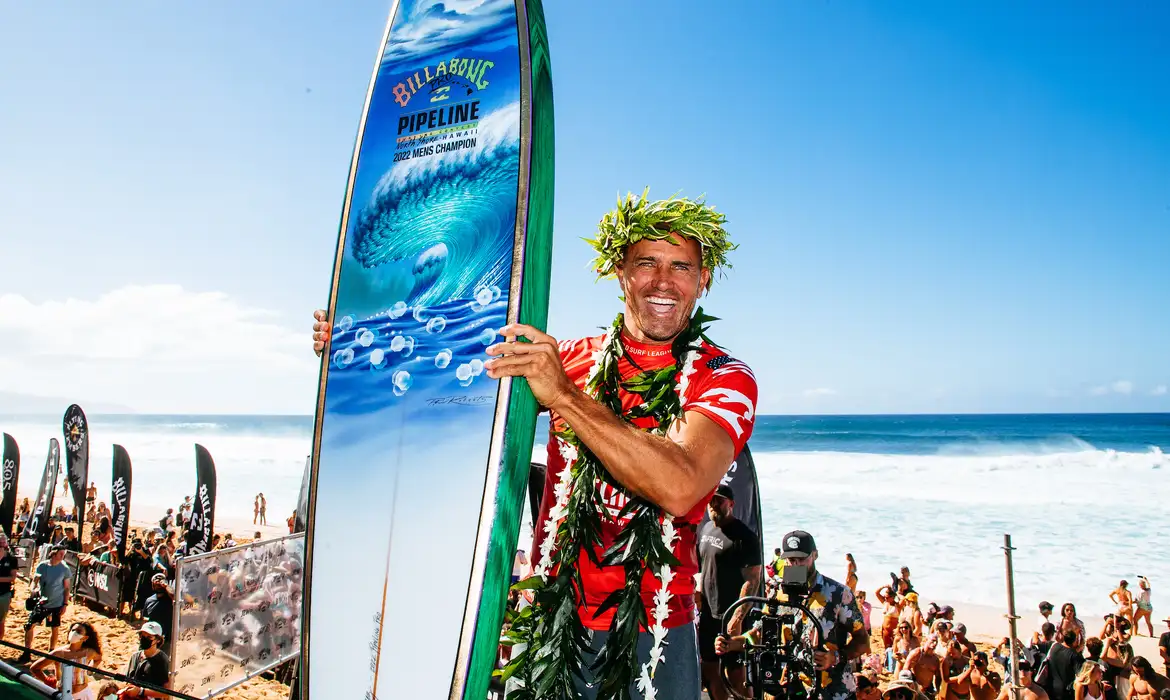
(1122, 597)
(1090, 682)
(904, 643)
(85, 648)
(890, 612)
(1144, 609)
(912, 615)
(1070, 622)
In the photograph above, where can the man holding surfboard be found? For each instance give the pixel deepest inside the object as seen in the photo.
(645, 421)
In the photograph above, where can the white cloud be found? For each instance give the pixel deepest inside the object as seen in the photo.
(1121, 386)
(1159, 390)
(820, 391)
(158, 348)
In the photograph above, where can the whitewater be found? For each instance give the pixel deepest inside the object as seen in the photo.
(1084, 497)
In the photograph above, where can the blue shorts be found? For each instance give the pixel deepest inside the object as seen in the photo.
(676, 678)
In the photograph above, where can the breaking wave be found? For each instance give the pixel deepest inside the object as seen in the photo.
(437, 227)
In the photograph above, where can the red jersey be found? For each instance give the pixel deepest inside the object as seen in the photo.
(722, 389)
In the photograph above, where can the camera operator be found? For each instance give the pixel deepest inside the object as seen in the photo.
(729, 569)
(832, 603)
(48, 597)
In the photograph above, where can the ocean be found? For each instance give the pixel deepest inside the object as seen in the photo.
(1084, 497)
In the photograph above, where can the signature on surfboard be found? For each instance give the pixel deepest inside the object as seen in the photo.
(459, 400)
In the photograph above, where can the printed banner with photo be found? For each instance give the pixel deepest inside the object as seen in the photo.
(238, 614)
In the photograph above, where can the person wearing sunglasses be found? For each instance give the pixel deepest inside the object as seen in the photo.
(843, 636)
(903, 688)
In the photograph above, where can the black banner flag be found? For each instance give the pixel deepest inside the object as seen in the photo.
(741, 477)
(203, 516)
(9, 476)
(76, 430)
(120, 500)
(37, 528)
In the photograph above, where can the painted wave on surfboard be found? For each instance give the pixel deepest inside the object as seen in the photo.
(448, 273)
(437, 228)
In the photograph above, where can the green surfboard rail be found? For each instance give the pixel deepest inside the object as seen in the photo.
(520, 432)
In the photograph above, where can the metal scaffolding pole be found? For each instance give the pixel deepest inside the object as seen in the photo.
(1013, 654)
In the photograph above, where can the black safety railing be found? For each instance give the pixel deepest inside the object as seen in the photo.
(101, 672)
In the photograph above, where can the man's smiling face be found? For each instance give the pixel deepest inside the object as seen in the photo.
(662, 282)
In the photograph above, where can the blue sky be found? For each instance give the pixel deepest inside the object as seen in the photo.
(940, 207)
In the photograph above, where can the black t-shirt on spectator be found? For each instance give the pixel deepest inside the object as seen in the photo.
(723, 554)
(8, 566)
(1164, 643)
(1064, 664)
(160, 608)
(155, 669)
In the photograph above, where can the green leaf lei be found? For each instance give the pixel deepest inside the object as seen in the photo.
(551, 627)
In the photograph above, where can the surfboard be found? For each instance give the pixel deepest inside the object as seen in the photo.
(419, 460)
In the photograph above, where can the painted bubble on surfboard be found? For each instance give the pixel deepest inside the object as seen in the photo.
(408, 407)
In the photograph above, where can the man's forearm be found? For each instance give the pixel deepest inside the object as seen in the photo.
(627, 454)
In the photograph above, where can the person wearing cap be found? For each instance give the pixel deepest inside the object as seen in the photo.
(961, 638)
(160, 607)
(52, 582)
(1163, 647)
(1029, 689)
(149, 664)
(1046, 609)
(843, 636)
(730, 565)
(912, 615)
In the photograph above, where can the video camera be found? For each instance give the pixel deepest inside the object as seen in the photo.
(781, 662)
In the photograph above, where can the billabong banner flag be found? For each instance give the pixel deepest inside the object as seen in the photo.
(203, 515)
(9, 476)
(302, 517)
(120, 502)
(37, 528)
(76, 430)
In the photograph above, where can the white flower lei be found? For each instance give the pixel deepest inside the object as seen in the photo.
(670, 535)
